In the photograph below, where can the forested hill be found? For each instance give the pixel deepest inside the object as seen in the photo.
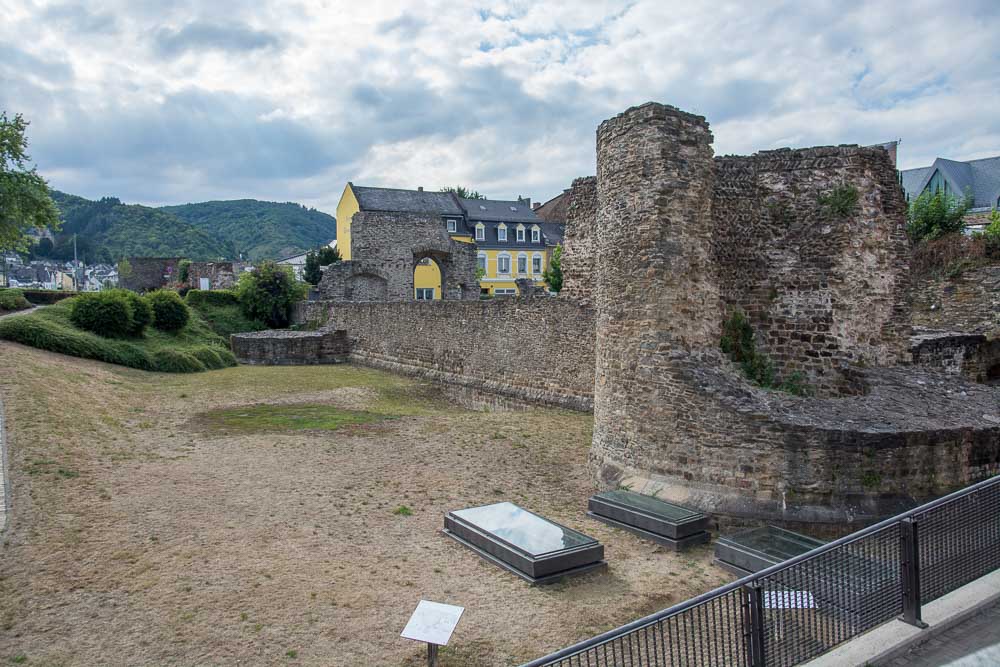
(260, 229)
(108, 230)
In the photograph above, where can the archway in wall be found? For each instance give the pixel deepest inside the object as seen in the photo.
(428, 279)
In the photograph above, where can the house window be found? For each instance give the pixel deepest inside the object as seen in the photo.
(520, 234)
(452, 225)
(504, 291)
(503, 264)
(522, 263)
(536, 263)
(482, 262)
(536, 235)
(480, 232)
(502, 233)
(425, 293)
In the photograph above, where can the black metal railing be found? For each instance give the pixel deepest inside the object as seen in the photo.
(801, 608)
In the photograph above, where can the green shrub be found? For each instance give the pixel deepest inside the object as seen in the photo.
(46, 297)
(176, 361)
(107, 314)
(933, 215)
(13, 299)
(142, 313)
(840, 202)
(208, 356)
(217, 297)
(170, 313)
(268, 294)
(738, 343)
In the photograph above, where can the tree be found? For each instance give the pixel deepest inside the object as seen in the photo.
(25, 202)
(933, 215)
(553, 275)
(323, 256)
(268, 293)
(463, 192)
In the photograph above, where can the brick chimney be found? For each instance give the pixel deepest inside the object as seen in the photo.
(537, 205)
(420, 188)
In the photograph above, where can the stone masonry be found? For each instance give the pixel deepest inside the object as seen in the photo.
(387, 247)
(675, 418)
(288, 348)
(578, 242)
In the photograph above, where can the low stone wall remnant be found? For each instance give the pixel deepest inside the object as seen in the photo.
(290, 348)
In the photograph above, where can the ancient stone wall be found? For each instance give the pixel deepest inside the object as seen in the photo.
(538, 350)
(821, 286)
(387, 247)
(975, 357)
(578, 241)
(682, 239)
(969, 302)
(290, 348)
(220, 275)
(149, 273)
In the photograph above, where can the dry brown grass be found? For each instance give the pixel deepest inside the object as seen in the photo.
(142, 535)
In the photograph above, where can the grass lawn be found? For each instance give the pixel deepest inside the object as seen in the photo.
(287, 516)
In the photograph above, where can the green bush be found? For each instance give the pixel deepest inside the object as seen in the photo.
(142, 313)
(933, 215)
(46, 297)
(208, 356)
(170, 313)
(107, 314)
(268, 294)
(13, 299)
(217, 297)
(176, 361)
(738, 343)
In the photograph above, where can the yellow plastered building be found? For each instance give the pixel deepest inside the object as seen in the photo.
(511, 241)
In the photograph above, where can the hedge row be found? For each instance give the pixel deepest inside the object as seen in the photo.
(218, 297)
(12, 299)
(46, 297)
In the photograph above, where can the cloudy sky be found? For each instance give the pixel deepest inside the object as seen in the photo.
(169, 102)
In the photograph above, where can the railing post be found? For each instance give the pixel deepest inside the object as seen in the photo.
(753, 596)
(909, 561)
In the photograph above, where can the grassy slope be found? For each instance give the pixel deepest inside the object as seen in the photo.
(225, 319)
(194, 348)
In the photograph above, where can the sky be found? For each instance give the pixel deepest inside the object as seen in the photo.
(160, 102)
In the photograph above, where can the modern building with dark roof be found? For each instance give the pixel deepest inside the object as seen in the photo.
(512, 241)
(978, 179)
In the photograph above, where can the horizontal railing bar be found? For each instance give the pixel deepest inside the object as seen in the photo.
(646, 621)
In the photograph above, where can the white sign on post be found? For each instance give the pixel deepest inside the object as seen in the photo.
(432, 622)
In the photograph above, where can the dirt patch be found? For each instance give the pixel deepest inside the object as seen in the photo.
(286, 416)
(167, 545)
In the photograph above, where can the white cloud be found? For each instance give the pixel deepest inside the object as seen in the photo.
(189, 100)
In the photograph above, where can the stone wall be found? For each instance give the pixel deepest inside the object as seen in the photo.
(220, 275)
(388, 247)
(290, 348)
(682, 239)
(969, 302)
(150, 273)
(578, 241)
(821, 287)
(537, 350)
(973, 356)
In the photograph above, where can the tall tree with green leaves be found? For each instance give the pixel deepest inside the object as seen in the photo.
(463, 192)
(553, 275)
(315, 260)
(25, 202)
(268, 293)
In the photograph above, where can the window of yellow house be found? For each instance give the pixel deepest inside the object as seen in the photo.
(536, 234)
(480, 232)
(522, 263)
(520, 233)
(503, 263)
(502, 232)
(482, 261)
(536, 263)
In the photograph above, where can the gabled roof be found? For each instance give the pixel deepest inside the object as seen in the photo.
(981, 178)
(499, 210)
(405, 201)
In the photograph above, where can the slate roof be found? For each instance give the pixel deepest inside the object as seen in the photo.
(552, 234)
(406, 201)
(980, 177)
(499, 210)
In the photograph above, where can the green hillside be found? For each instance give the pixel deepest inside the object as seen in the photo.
(107, 230)
(260, 229)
